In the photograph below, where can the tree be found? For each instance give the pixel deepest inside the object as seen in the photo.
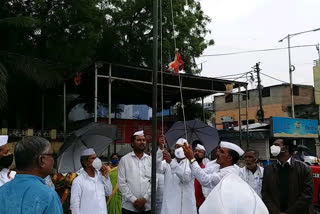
(130, 24)
(193, 110)
(44, 42)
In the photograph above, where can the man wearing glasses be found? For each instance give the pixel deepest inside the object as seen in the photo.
(28, 192)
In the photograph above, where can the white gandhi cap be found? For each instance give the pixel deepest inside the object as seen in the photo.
(3, 140)
(200, 147)
(232, 146)
(139, 133)
(88, 152)
(181, 141)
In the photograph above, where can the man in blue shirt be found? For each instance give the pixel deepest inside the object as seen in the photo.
(28, 193)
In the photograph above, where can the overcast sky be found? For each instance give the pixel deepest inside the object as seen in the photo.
(240, 25)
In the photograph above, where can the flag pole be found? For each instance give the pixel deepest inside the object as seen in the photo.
(154, 104)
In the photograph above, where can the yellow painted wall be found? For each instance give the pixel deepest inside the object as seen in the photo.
(316, 78)
(269, 110)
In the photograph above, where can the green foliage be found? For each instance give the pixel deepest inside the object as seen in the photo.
(3, 85)
(193, 110)
(43, 42)
(130, 23)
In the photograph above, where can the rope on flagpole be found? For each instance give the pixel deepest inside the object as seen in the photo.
(180, 82)
(161, 66)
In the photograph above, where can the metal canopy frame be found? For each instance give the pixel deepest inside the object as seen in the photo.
(122, 84)
(133, 85)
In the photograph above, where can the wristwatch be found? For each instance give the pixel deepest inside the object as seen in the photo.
(192, 160)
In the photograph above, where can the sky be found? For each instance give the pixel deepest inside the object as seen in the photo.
(241, 25)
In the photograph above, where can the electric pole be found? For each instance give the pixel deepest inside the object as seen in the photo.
(260, 113)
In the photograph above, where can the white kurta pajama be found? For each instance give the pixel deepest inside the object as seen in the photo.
(211, 167)
(178, 193)
(159, 195)
(88, 195)
(134, 180)
(253, 179)
(210, 177)
(4, 176)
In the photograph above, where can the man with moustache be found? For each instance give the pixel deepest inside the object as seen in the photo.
(134, 177)
(251, 172)
(287, 186)
(199, 154)
(28, 193)
(6, 159)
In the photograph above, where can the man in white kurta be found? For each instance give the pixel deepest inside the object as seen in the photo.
(134, 177)
(228, 155)
(252, 173)
(6, 159)
(211, 167)
(90, 189)
(178, 196)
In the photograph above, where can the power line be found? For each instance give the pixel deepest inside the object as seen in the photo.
(255, 51)
(231, 75)
(273, 78)
(282, 80)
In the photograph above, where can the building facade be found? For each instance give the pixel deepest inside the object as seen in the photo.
(276, 101)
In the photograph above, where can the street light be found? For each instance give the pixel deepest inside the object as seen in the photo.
(291, 67)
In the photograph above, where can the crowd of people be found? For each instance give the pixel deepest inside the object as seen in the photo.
(187, 181)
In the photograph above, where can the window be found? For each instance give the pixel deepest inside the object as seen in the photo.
(229, 98)
(244, 97)
(244, 122)
(266, 92)
(295, 90)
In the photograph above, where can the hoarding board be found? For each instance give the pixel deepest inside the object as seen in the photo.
(294, 128)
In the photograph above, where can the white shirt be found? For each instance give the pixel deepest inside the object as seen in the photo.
(159, 196)
(178, 196)
(288, 161)
(205, 161)
(210, 167)
(88, 194)
(253, 179)
(4, 178)
(134, 180)
(210, 177)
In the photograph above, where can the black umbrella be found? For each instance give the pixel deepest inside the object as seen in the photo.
(95, 135)
(302, 148)
(196, 130)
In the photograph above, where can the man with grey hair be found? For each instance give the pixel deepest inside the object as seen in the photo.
(252, 173)
(28, 192)
(90, 189)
